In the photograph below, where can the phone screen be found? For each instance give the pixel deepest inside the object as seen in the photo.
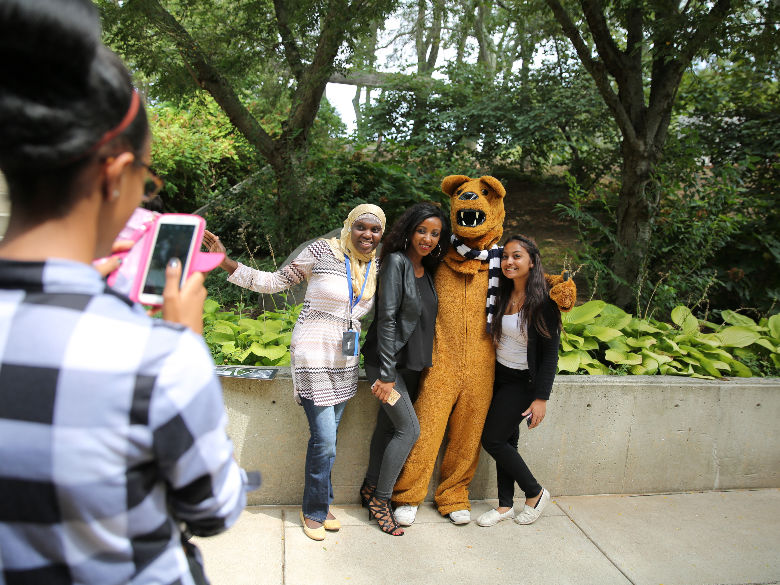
(173, 241)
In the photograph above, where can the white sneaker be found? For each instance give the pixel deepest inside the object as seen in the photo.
(530, 515)
(493, 517)
(460, 517)
(405, 515)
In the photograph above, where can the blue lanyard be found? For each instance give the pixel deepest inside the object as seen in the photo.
(349, 280)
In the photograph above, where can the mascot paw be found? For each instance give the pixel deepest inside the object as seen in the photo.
(563, 290)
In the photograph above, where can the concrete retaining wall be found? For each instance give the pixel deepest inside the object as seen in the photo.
(602, 434)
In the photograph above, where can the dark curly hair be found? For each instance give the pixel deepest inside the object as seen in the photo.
(402, 230)
(61, 91)
(537, 292)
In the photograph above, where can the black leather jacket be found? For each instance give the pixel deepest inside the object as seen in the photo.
(397, 311)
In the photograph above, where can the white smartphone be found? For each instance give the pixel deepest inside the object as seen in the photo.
(175, 236)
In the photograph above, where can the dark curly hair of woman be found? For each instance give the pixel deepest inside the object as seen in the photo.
(398, 237)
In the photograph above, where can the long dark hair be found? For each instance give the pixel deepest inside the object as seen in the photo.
(61, 91)
(537, 292)
(402, 231)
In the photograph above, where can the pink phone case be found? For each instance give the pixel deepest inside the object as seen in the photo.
(127, 279)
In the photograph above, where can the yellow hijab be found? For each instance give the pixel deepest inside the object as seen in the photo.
(358, 261)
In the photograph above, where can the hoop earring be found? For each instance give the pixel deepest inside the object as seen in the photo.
(406, 243)
(438, 249)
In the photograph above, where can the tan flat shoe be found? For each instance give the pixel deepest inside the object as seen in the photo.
(332, 524)
(313, 533)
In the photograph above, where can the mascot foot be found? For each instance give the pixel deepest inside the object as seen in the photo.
(405, 515)
(460, 517)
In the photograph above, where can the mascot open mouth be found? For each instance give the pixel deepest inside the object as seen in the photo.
(470, 217)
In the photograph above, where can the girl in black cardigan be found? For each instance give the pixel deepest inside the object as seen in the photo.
(526, 332)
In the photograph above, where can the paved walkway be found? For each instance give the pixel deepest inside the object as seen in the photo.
(709, 538)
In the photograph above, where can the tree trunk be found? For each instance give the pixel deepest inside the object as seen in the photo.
(635, 213)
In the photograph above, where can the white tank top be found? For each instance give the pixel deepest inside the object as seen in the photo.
(512, 350)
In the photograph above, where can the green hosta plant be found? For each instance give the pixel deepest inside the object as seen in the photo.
(236, 340)
(599, 338)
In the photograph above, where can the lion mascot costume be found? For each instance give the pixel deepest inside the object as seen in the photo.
(455, 393)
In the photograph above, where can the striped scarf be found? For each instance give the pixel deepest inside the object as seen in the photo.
(494, 271)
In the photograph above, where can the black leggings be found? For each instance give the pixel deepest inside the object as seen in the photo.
(395, 433)
(500, 436)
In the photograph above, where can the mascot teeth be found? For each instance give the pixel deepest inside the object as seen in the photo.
(471, 217)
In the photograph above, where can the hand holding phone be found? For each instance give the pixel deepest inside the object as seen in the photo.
(183, 305)
(379, 389)
(174, 236)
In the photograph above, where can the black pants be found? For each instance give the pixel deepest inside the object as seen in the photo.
(511, 397)
(395, 433)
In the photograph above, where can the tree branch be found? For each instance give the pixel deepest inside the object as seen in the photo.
(667, 72)
(379, 79)
(291, 52)
(602, 38)
(596, 69)
(206, 76)
(704, 30)
(314, 77)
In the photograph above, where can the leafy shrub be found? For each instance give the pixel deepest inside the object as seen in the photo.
(237, 340)
(701, 220)
(599, 338)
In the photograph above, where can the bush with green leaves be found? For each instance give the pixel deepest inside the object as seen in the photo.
(700, 219)
(238, 340)
(599, 338)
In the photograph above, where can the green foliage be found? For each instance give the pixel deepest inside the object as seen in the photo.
(196, 151)
(550, 115)
(731, 116)
(599, 338)
(702, 220)
(237, 340)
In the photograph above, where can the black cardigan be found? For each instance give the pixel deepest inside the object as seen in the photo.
(543, 352)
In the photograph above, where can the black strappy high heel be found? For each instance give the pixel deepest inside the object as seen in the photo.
(379, 509)
(366, 491)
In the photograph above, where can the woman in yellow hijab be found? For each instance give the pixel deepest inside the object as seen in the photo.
(324, 352)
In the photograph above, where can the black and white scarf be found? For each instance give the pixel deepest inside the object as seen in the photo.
(493, 256)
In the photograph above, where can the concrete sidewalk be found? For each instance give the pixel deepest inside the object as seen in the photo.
(712, 538)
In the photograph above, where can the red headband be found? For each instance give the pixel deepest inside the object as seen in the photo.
(132, 111)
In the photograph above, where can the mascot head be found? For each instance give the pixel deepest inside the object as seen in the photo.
(476, 209)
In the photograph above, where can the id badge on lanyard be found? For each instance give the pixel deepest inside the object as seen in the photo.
(350, 339)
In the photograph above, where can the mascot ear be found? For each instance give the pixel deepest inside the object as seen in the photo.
(494, 184)
(451, 183)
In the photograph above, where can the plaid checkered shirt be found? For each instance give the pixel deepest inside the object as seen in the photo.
(112, 434)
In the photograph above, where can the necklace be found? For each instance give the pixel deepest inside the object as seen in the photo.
(516, 302)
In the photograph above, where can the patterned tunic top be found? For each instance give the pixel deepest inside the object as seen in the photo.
(320, 372)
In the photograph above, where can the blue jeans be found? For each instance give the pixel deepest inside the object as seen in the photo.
(320, 455)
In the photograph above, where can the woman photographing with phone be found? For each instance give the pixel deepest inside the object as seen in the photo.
(112, 427)
(399, 345)
(526, 332)
(341, 274)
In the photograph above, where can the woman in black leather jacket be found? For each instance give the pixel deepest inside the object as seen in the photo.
(399, 345)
